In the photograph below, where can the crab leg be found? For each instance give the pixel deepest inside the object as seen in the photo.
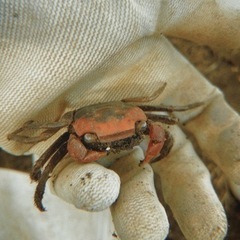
(146, 99)
(164, 108)
(162, 118)
(40, 189)
(50, 125)
(26, 139)
(36, 171)
(51, 129)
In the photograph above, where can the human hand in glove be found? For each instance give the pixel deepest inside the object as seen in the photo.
(77, 54)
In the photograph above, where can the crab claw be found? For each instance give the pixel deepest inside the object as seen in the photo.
(157, 139)
(80, 153)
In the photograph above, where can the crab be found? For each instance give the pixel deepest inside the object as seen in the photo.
(96, 130)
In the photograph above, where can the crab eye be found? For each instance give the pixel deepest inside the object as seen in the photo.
(141, 126)
(90, 138)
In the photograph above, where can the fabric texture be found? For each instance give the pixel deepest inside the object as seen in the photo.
(59, 56)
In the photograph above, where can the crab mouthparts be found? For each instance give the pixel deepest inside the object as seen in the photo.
(116, 146)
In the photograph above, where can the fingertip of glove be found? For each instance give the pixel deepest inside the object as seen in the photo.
(90, 187)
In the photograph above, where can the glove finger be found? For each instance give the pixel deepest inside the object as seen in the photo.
(90, 187)
(217, 131)
(215, 125)
(137, 213)
(187, 189)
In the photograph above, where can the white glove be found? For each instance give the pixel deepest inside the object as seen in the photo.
(56, 58)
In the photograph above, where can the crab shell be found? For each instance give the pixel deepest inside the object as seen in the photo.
(110, 122)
